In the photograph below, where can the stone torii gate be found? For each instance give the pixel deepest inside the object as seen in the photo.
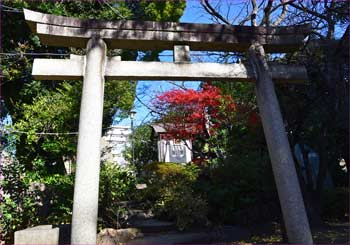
(95, 66)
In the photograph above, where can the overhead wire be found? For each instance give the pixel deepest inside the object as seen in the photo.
(10, 9)
(114, 10)
(11, 131)
(66, 54)
(38, 133)
(33, 54)
(7, 9)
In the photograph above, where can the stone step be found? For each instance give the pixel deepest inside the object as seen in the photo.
(152, 225)
(135, 215)
(129, 204)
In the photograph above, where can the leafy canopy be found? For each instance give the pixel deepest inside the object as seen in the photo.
(186, 113)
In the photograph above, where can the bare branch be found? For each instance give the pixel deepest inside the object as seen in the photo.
(325, 4)
(178, 85)
(309, 11)
(239, 14)
(254, 13)
(282, 15)
(213, 12)
(267, 11)
(283, 2)
(249, 17)
(148, 107)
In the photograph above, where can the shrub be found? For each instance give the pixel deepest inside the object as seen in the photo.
(18, 206)
(171, 191)
(238, 187)
(116, 184)
(16, 216)
(32, 198)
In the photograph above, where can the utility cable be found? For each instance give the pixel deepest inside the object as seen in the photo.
(58, 54)
(42, 133)
(10, 9)
(38, 133)
(32, 54)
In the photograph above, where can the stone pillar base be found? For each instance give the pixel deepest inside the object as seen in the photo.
(42, 234)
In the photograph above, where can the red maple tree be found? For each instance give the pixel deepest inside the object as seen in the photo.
(188, 113)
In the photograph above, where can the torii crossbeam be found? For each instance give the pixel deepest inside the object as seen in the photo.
(96, 66)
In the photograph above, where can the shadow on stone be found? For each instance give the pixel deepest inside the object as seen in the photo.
(64, 234)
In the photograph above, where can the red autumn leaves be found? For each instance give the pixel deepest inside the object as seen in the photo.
(189, 113)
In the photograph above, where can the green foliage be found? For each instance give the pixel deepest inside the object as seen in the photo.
(171, 190)
(57, 110)
(239, 189)
(170, 173)
(54, 194)
(183, 205)
(116, 184)
(38, 190)
(18, 207)
(145, 147)
(157, 10)
(33, 197)
(52, 111)
(15, 216)
(54, 106)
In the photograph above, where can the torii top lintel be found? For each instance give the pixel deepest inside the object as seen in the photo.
(148, 35)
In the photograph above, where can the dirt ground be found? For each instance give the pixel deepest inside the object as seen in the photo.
(330, 233)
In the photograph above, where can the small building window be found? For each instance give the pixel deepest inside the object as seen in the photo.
(177, 150)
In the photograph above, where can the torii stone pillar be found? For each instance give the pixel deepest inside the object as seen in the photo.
(72, 32)
(85, 203)
(291, 200)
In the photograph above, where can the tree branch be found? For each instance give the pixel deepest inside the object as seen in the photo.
(178, 85)
(213, 12)
(282, 15)
(254, 13)
(309, 11)
(283, 2)
(249, 17)
(148, 107)
(267, 11)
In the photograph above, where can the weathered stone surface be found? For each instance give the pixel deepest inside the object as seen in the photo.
(65, 69)
(182, 53)
(37, 17)
(287, 184)
(73, 32)
(112, 236)
(43, 234)
(85, 202)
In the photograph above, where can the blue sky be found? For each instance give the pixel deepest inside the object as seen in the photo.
(148, 89)
(193, 14)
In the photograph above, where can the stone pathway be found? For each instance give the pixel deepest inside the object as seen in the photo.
(163, 232)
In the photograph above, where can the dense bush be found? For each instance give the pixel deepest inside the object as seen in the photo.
(33, 197)
(37, 197)
(171, 191)
(239, 190)
(116, 184)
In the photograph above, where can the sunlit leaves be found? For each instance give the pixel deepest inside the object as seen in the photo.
(189, 112)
